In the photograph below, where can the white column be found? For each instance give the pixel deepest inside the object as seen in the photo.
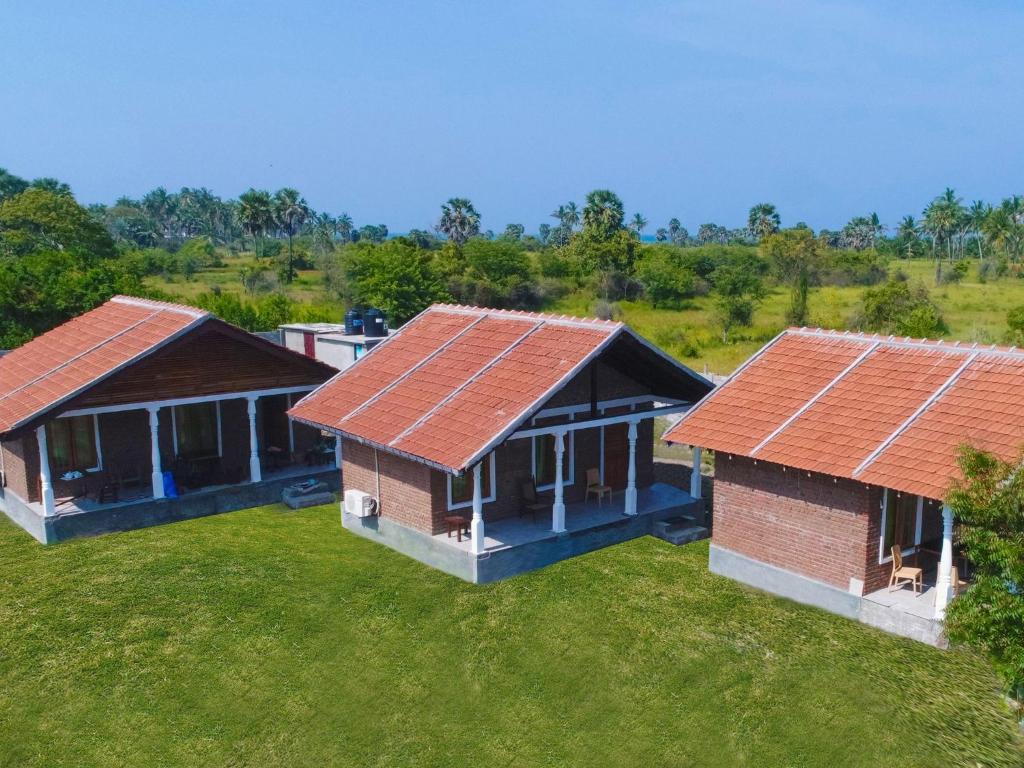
(154, 453)
(476, 531)
(255, 475)
(337, 451)
(942, 580)
(631, 472)
(558, 508)
(695, 475)
(45, 483)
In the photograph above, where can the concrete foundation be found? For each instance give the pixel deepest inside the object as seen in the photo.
(513, 547)
(146, 512)
(805, 590)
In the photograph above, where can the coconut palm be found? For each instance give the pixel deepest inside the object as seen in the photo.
(638, 224)
(459, 220)
(343, 227)
(290, 213)
(603, 213)
(762, 221)
(256, 215)
(976, 215)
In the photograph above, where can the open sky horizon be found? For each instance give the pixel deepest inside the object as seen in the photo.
(384, 110)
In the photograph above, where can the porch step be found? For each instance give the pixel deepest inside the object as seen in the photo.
(679, 530)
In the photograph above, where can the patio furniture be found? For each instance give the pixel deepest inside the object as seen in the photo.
(531, 502)
(319, 454)
(277, 457)
(904, 574)
(955, 583)
(459, 524)
(595, 487)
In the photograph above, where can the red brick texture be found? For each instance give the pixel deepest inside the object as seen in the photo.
(815, 525)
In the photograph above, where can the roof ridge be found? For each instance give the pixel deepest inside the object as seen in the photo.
(907, 342)
(588, 322)
(156, 304)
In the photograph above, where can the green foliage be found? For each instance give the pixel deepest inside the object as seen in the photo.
(498, 273)
(666, 275)
(738, 289)
(795, 256)
(610, 257)
(897, 308)
(989, 506)
(10, 185)
(38, 220)
(397, 278)
(263, 314)
(603, 215)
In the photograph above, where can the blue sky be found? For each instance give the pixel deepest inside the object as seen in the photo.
(385, 109)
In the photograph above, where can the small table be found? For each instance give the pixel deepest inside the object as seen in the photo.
(459, 524)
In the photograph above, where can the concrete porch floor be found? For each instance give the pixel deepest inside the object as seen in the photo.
(143, 494)
(905, 600)
(510, 532)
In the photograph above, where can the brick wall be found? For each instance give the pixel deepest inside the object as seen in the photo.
(819, 526)
(405, 486)
(21, 466)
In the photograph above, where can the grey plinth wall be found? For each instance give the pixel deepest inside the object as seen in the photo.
(140, 514)
(503, 562)
(805, 590)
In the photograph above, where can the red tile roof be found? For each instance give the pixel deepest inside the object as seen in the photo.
(63, 362)
(455, 381)
(886, 411)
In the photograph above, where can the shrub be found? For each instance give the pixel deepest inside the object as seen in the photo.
(900, 309)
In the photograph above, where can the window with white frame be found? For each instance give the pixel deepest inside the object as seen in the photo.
(901, 523)
(460, 488)
(197, 430)
(73, 443)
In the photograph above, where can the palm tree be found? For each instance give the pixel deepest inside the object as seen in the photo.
(638, 224)
(571, 217)
(762, 221)
(290, 213)
(603, 213)
(343, 227)
(976, 215)
(256, 214)
(459, 220)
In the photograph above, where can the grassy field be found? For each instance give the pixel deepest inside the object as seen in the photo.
(274, 638)
(974, 311)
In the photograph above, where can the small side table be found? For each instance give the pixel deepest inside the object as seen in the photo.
(459, 524)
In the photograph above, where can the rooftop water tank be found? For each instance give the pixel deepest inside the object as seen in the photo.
(374, 324)
(353, 322)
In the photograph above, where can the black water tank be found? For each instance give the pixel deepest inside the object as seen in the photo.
(374, 325)
(353, 322)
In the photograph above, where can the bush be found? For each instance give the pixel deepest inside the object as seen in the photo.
(666, 278)
(956, 274)
(898, 308)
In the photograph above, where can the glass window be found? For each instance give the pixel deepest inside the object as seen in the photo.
(462, 487)
(358, 351)
(196, 429)
(900, 521)
(544, 460)
(71, 444)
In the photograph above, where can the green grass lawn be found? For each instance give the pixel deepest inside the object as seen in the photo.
(274, 638)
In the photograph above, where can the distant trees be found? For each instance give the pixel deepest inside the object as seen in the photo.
(738, 289)
(459, 220)
(762, 221)
(795, 258)
(603, 214)
(256, 214)
(290, 213)
(400, 279)
(638, 224)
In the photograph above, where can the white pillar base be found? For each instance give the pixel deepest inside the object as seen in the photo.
(476, 527)
(558, 508)
(630, 495)
(630, 502)
(46, 497)
(157, 475)
(558, 518)
(943, 577)
(255, 471)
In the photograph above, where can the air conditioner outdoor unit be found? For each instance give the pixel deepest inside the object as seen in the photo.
(360, 503)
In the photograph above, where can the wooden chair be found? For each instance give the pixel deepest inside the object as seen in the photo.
(595, 487)
(531, 501)
(904, 574)
(956, 585)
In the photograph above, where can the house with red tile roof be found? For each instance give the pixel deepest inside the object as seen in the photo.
(141, 412)
(833, 453)
(488, 442)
